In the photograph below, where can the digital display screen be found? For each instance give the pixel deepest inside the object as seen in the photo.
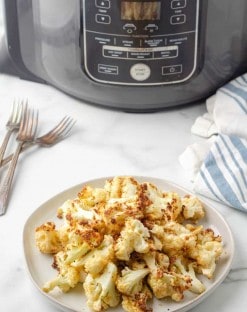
(140, 11)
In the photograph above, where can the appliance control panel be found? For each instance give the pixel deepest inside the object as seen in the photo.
(133, 42)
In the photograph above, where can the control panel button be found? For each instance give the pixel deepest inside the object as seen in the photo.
(171, 70)
(178, 4)
(114, 53)
(140, 55)
(166, 54)
(103, 19)
(103, 4)
(151, 28)
(178, 19)
(129, 28)
(140, 72)
(107, 69)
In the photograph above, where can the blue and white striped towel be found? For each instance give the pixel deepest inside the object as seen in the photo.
(218, 165)
(223, 174)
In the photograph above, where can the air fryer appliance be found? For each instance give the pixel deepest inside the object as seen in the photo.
(129, 54)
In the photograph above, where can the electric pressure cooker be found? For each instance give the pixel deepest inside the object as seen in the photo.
(130, 54)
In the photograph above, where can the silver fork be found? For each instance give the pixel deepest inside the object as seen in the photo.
(13, 124)
(26, 133)
(58, 133)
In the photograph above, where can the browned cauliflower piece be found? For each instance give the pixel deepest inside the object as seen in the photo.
(187, 268)
(124, 202)
(137, 302)
(168, 284)
(192, 208)
(97, 259)
(101, 291)
(90, 197)
(131, 281)
(176, 238)
(67, 278)
(161, 206)
(133, 237)
(47, 238)
(206, 252)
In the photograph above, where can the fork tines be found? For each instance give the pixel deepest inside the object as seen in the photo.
(62, 129)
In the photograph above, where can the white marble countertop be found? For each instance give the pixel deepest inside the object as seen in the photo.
(103, 143)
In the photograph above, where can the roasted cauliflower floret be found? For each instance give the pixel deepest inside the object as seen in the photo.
(207, 252)
(156, 261)
(165, 283)
(168, 284)
(47, 238)
(90, 197)
(131, 281)
(74, 253)
(122, 187)
(133, 237)
(95, 261)
(175, 237)
(162, 206)
(123, 203)
(196, 285)
(137, 302)
(192, 208)
(67, 278)
(101, 291)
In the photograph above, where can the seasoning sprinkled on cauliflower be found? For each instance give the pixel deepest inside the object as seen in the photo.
(207, 252)
(47, 238)
(129, 242)
(137, 302)
(133, 237)
(95, 261)
(196, 285)
(131, 281)
(192, 208)
(101, 291)
(67, 278)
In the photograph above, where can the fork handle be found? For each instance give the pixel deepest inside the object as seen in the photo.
(4, 144)
(7, 159)
(6, 185)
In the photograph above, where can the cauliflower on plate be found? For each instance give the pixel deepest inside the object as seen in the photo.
(122, 187)
(47, 238)
(67, 278)
(138, 301)
(129, 241)
(163, 282)
(101, 291)
(156, 260)
(196, 285)
(133, 237)
(131, 281)
(192, 208)
(95, 260)
(90, 197)
(123, 202)
(161, 206)
(168, 284)
(206, 253)
(175, 237)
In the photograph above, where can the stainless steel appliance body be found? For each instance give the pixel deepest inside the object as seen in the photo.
(128, 54)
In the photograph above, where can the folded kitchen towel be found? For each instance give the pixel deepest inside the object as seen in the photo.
(218, 165)
(226, 111)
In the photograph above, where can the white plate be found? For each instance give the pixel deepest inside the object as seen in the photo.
(39, 265)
